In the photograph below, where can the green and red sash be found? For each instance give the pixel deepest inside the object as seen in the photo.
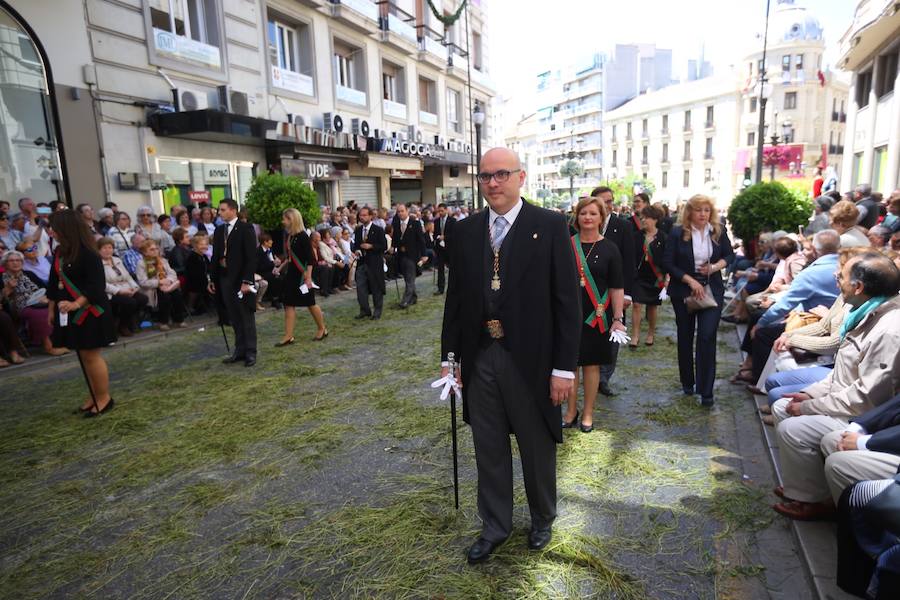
(648, 256)
(293, 257)
(598, 317)
(73, 290)
(637, 221)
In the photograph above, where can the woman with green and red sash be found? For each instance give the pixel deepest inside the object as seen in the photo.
(79, 309)
(650, 280)
(296, 277)
(602, 302)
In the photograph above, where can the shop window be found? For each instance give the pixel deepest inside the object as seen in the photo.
(187, 31)
(29, 160)
(291, 55)
(349, 73)
(453, 104)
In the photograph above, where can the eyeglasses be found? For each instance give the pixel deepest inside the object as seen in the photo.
(501, 176)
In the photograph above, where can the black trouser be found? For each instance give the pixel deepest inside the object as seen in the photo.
(241, 314)
(407, 268)
(126, 308)
(324, 276)
(705, 323)
(761, 346)
(500, 402)
(363, 289)
(440, 263)
(170, 305)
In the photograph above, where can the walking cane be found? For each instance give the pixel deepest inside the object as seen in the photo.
(225, 337)
(87, 381)
(397, 285)
(452, 373)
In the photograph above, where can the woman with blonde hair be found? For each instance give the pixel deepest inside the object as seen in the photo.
(844, 216)
(697, 250)
(602, 300)
(160, 284)
(296, 277)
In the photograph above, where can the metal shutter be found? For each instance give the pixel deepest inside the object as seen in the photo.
(362, 190)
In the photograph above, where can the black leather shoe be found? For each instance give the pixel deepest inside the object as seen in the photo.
(402, 306)
(363, 316)
(481, 550)
(707, 402)
(539, 538)
(376, 316)
(89, 413)
(605, 389)
(249, 361)
(688, 391)
(232, 359)
(439, 293)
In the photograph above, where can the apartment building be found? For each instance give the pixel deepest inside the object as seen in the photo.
(163, 102)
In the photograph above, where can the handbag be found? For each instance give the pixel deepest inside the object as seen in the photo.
(694, 304)
(797, 319)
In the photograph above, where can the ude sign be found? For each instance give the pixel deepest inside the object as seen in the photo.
(312, 170)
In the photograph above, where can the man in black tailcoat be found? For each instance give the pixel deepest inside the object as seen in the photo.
(409, 244)
(369, 244)
(443, 232)
(232, 267)
(512, 318)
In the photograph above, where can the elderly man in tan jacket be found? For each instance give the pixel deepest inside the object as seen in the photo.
(866, 373)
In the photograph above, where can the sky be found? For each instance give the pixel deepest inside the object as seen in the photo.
(528, 37)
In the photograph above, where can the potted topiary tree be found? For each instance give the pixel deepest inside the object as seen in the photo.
(271, 193)
(767, 205)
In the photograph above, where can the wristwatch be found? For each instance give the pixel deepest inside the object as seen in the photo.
(619, 319)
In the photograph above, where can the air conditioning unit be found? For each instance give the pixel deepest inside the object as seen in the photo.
(189, 100)
(333, 122)
(232, 101)
(360, 127)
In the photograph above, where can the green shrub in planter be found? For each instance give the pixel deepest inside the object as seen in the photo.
(271, 194)
(768, 205)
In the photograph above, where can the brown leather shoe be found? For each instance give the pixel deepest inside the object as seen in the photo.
(769, 420)
(806, 511)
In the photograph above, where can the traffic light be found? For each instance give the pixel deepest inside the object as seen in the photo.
(748, 181)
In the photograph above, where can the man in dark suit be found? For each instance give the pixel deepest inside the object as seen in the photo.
(513, 319)
(621, 233)
(233, 265)
(443, 231)
(409, 245)
(369, 244)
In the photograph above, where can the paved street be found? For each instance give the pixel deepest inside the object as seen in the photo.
(326, 472)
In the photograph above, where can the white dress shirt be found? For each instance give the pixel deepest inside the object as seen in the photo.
(702, 244)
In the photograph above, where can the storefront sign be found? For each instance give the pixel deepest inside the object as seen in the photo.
(405, 174)
(198, 196)
(395, 146)
(216, 173)
(293, 82)
(184, 48)
(313, 170)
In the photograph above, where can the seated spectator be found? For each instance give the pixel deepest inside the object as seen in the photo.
(148, 227)
(132, 256)
(183, 222)
(323, 273)
(349, 257)
(166, 242)
(125, 296)
(8, 235)
(821, 219)
(266, 261)
(895, 242)
(868, 532)
(39, 266)
(790, 262)
(879, 237)
(11, 348)
(892, 218)
(160, 284)
(196, 276)
(429, 243)
(28, 302)
(87, 213)
(339, 268)
(178, 256)
(121, 234)
(107, 220)
(844, 216)
(866, 374)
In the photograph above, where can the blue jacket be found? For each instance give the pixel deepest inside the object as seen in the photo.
(678, 260)
(813, 286)
(883, 424)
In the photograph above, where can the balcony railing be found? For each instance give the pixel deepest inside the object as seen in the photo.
(708, 156)
(363, 7)
(686, 128)
(710, 124)
(428, 118)
(353, 96)
(399, 22)
(686, 158)
(835, 149)
(394, 109)
(645, 135)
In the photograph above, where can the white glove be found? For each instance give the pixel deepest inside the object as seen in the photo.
(619, 337)
(448, 383)
(663, 295)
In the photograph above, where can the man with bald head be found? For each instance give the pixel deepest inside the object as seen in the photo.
(512, 319)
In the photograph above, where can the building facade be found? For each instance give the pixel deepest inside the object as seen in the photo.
(164, 102)
(701, 136)
(870, 49)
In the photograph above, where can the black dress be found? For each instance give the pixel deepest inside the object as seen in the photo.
(605, 263)
(646, 284)
(196, 273)
(297, 248)
(94, 327)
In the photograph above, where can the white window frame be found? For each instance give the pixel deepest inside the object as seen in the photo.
(389, 86)
(287, 60)
(200, 26)
(453, 122)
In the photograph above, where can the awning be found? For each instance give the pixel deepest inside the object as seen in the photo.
(382, 161)
(211, 126)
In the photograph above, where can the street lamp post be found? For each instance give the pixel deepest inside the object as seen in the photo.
(478, 120)
(774, 140)
(571, 166)
(763, 96)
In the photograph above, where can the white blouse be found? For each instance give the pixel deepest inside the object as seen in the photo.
(702, 243)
